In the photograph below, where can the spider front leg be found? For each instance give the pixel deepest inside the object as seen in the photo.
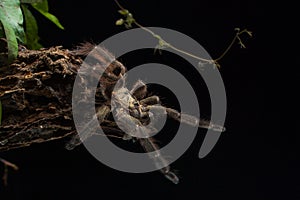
(89, 128)
(139, 90)
(185, 118)
(152, 100)
(194, 121)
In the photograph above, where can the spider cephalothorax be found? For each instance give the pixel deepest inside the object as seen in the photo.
(133, 108)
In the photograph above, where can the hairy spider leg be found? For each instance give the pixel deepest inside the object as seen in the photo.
(185, 118)
(142, 135)
(152, 100)
(139, 90)
(193, 121)
(160, 162)
(89, 128)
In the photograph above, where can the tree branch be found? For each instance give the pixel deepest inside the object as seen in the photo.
(36, 96)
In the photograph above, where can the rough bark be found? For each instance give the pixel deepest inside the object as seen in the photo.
(36, 96)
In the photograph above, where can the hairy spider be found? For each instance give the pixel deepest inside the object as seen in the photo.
(133, 108)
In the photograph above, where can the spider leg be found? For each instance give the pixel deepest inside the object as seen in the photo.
(139, 90)
(111, 75)
(160, 162)
(148, 143)
(154, 153)
(103, 111)
(194, 121)
(152, 100)
(185, 118)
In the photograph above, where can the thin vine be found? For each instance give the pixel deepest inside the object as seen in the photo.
(128, 21)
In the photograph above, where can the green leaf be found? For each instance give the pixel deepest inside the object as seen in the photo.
(123, 12)
(12, 43)
(31, 1)
(120, 22)
(31, 29)
(42, 7)
(11, 15)
(53, 19)
(12, 20)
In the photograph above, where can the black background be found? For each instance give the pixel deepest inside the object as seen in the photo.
(252, 160)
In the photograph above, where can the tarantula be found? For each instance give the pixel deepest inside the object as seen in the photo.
(135, 100)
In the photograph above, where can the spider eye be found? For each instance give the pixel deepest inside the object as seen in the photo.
(136, 104)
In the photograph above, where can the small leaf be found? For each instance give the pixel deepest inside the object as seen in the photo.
(42, 7)
(123, 12)
(31, 29)
(11, 14)
(120, 22)
(249, 33)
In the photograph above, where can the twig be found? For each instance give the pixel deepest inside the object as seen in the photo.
(129, 20)
(5, 173)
